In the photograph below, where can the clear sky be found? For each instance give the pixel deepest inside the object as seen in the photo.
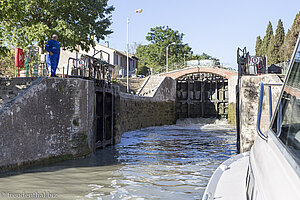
(216, 27)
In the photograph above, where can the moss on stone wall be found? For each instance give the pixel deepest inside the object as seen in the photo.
(41, 162)
(59, 126)
(232, 113)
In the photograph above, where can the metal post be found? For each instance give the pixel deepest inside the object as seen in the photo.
(167, 60)
(167, 56)
(26, 67)
(127, 55)
(18, 72)
(76, 61)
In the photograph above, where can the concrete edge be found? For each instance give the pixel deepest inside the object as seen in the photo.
(143, 98)
(158, 86)
(143, 85)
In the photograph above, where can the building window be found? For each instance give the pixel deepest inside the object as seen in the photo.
(121, 59)
(116, 59)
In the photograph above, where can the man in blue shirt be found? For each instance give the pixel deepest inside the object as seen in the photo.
(53, 47)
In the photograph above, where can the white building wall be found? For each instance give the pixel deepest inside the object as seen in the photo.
(120, 67)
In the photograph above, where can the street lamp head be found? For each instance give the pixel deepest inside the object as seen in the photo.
(171, 44)
(139, 11)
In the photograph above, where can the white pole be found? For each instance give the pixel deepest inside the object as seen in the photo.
(127, 55)
(167, 56)
(167, 61)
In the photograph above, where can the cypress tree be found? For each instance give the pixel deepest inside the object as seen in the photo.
(291, 38)
(258, 46)
(278, 42)
(296, 27)
(267, 39)
(285, 47)
(271, 53)
(294, 33)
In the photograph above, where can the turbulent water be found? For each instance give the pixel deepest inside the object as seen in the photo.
(167, 162)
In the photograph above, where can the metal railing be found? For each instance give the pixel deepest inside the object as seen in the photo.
(88, 67)
(246, 65)
(261, 97)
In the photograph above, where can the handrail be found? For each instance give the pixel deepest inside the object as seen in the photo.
(101, 51)
(270, 102)
(279, 121)
(74, 59)
(143, 85)
(270, 96)
(261, 99)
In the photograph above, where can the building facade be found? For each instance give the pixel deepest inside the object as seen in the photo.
(114, 57)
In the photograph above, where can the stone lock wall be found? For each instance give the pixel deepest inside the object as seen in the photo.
(52, 119)
(134, 112)
(249, 100)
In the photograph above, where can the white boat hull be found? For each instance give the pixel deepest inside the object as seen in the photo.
(229, 180)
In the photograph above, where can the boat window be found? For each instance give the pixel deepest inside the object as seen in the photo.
(290, 103)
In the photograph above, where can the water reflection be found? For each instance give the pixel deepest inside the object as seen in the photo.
(169, 162)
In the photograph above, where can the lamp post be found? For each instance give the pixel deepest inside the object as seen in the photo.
(184, 60)
(127, 49)
(167, 59)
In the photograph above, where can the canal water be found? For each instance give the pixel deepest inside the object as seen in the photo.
(167, 162)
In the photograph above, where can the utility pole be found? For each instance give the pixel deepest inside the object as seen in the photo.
(127, 49)
(167, 59)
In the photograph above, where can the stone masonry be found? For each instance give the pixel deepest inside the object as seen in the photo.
(249, 100)
(51, 119)
(134, 112)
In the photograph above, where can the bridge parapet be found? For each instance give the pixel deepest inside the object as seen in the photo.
(214, 70)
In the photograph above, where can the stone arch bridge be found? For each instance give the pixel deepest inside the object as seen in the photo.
(204, 91)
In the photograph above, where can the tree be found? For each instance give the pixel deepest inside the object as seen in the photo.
(258, 46)
(279, 40)
(7, 64)
(295, 30)
(203, 56)
(3, 49)
(77, 22)
(133, 47)
(291, 38)
(285, 47)
(153, 55)
(267, 39)
(274, 52)
(148, 56)
(271, 53)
